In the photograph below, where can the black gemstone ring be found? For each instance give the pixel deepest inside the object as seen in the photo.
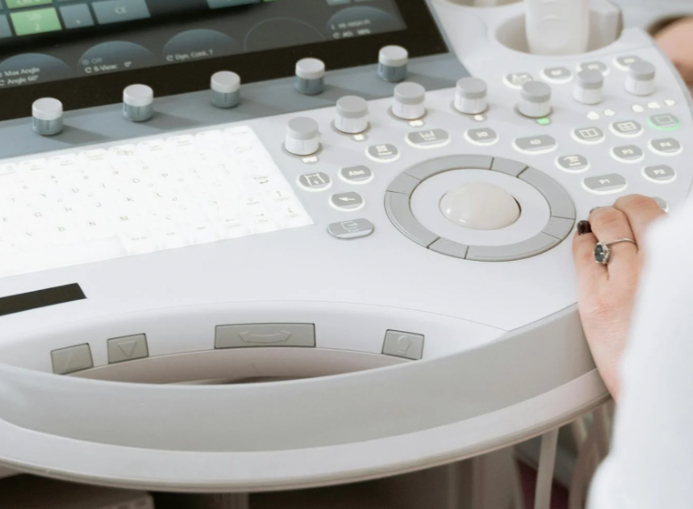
(602, 252)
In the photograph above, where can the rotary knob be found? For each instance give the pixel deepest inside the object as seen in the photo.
(138, 103)
(536, 99)
(47, 116)
(310, 76)
(470, 97)
(226, 89)
(392, 63)
(641, 78)
(302, 136)
(589, 88)
(352, 115)
(410, 101)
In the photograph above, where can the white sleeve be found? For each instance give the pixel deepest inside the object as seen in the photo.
(651, 463)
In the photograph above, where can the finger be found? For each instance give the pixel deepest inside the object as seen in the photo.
(590, 273)
(641, 211)
(610, 224)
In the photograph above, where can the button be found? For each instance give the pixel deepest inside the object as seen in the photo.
(428, 139)
(76, 16)
(557, 74)
(589, 88)
(351, 115)
(403, 344)
(392, 64)
(626, 61)
(535, 100)
(348, 230)
(347, 201)
(559, 227)
(400, 214)
(605, 183)
(315, 181)
(115, 11)
(265, 335)
(590, 135)
(627, 128)
(302, 136)
(628, 154)
(72, 359)
(641, 78)
(127, 348)
(404, 184)
(594, 66)
(138, 103)
(449, 248)
(574, 162)
(356, 174)
(531, 247)
(470, 96)
(225, 89)
(508, 166)
(666, 146)
(480, 206)
(35, 21)
(536, 144)
(517, 79)
(660, 173)
(409, 101)
(385, 153)
(483, 136)
(310, 76)
(47, 116)
(665, 122)
(560, 202)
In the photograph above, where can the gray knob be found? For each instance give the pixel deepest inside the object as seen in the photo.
(536, 99)
(138, 103)
(470, 97)
(392, 63)
(226, 89)
(410, 101)
(589, 88)
(310, 76)
(47, 116)
(641, 78)
(302, 136)
(352, 115)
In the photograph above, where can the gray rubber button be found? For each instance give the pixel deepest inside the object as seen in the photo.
(392, 63)
(508, 166)
(403, 344)
(450, 248)
(575, 162)
(590, 79)
(660, 173)
(539, 143)
(72, 359)
(628, 153)
(561, 74)
(349, 230)
(589, 134)
(383, 153)
(472, 88)
(127, 348)
(430, 138)
(265, 335)
(315, 181)
(225, 89)
(482, 136)
(666, 146)
(626, 61)
(560, 202)
(138, 103)
(47, 116)
(531, 247)
(665, 121)
(303, 128)
(627, 128)
(605, 183)
(559, 227)
(399, 211)
(595, 66)
(536, 92)
(347, 201)
(356, 174)
(310, 76)
(517, 79)
(642, 71)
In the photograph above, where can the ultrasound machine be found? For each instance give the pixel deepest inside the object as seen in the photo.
(254, 246)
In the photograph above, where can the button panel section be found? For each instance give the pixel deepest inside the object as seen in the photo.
(403, 344)
(72, 359)
(347, 201)
(265, 335)
(349, 230)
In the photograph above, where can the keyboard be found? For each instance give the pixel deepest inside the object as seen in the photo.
(151, 194)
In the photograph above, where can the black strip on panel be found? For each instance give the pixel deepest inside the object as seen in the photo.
(40, 299)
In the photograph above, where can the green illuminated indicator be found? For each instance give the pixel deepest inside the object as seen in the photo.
(670, 127)
(35, 22)
(544, 121)
(16, 4)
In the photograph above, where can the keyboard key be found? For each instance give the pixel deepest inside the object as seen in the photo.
(605, 183)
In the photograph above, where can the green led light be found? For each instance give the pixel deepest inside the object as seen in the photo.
(544, 121)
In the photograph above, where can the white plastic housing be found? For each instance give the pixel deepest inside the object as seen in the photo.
(558, 27)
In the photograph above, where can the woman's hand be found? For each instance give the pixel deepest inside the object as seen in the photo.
(676, 40)
(606, 294)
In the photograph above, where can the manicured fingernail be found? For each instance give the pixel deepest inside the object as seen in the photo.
(595, 208)
(584, 227)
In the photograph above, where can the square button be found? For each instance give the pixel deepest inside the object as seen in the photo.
(128, 348)
(35, 22)
(72, 359)
(5, 30)
(76, 16)
(404, 344)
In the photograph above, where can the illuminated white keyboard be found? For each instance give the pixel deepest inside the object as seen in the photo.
(150, 194)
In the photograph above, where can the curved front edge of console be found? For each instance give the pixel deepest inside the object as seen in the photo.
(300, 433)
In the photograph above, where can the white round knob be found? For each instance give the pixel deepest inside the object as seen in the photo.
(589, 88)
(47, 116)
(410, 101)
(392, 63)
(536, 99)
(480, 206)
(352, 115)
(226, 89)
(138, 103)
(302, 136)
(641, 79)
(470, 97)
(310, 76)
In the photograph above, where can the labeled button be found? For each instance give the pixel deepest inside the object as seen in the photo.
(115, 11)
(517, 79)
(348, 230)
(626, 61)
(383, 153)
(627, 128)
(403, 344)
(666, 146)
(558, 74)
(347, 201)
(591, 135)
(595, 66)
(35, 22)
(315, 181)
(628, 154)
(356, 174)
(660, 173)
(605, 183)
(76, 16)
(265, 335)
(536, 144)
(575, 162)
(483, 136)
(428, 139)
(665, 122)
(72, 359)
(128, 348)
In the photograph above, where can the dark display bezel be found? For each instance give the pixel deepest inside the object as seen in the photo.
(421, 37)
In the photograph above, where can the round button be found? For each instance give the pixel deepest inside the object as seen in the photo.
(589, 88)
(393, 61)
(47, 116)
(480, 206)
(310, 76)
(138, 103)
(641, 78)
(352, 115)
(225, 86)
(470, 97)
(410, 101)
(536, 99)
(302, 136)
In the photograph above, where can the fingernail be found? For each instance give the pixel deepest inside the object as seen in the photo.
(595, 208)
(584, 227)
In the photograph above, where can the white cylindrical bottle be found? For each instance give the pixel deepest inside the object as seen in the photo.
(558, 27)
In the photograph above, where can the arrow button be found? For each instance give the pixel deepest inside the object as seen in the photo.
(347, 201)
(128, 348)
